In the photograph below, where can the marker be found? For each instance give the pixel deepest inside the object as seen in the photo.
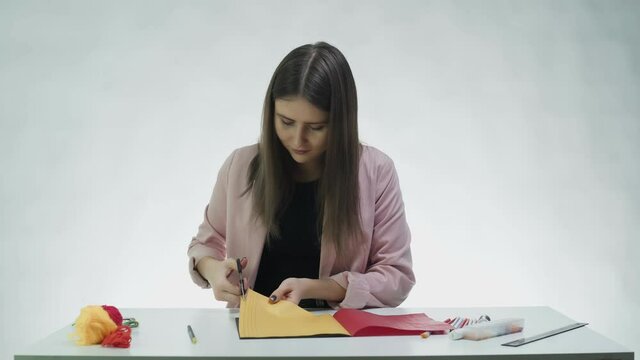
(193, 337)
(456, 323)
(488, 329)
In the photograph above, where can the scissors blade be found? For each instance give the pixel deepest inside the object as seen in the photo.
(239, 266)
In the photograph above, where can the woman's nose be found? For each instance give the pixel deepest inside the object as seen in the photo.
(301, 136)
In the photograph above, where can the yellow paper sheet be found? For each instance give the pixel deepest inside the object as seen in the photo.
(259, 319)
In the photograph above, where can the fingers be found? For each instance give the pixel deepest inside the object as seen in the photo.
(274, 299)
(283, 292)
(290, 296)
(223, 289)
(277, 294)
(228, 292)
(225, 296)
(231, 265)
(293, 297)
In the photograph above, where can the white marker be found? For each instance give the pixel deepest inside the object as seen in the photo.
(488, 329)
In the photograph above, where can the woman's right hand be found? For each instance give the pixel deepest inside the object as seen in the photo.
(217, 273)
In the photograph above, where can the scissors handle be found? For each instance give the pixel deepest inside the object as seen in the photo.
(239, 266)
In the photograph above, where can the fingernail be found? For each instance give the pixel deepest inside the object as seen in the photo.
(273, 298)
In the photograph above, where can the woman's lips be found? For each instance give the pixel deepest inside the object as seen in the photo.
(300, 152)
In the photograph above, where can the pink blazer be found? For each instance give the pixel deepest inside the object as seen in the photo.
(378, 275)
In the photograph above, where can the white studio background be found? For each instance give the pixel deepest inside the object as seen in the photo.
(514, 126)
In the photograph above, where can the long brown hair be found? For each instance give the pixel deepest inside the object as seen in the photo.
(320, 73)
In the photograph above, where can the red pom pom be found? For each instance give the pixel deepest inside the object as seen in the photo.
(120, 338)
(114, 314)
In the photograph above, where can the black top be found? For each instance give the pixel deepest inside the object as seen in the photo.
(297, 252)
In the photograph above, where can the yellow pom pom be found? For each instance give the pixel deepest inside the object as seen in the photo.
(93, 325)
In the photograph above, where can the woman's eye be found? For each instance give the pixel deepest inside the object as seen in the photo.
(286, 122)
(317, 128)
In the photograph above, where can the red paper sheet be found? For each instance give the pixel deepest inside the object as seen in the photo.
(362, 323)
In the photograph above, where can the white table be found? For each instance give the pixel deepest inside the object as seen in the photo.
(163, 333)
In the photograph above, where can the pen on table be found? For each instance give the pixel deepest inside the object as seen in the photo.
(193, 337)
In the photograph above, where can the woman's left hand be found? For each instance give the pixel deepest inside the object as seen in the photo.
(291, 289)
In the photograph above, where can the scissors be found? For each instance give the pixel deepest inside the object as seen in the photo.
(130, 322)
(239, 266)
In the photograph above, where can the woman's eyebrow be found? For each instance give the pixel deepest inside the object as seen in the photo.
(311, 123)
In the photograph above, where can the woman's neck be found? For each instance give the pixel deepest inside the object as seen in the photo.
(307, 172)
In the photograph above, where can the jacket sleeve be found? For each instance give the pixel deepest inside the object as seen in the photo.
(211, 237)
(389, 276)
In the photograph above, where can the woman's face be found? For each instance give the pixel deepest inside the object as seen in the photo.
(302, 129)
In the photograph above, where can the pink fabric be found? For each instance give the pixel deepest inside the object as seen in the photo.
(379, 275)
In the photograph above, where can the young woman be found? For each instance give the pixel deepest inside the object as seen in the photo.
(316, 217)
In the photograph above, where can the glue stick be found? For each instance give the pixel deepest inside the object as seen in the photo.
(488, 329)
